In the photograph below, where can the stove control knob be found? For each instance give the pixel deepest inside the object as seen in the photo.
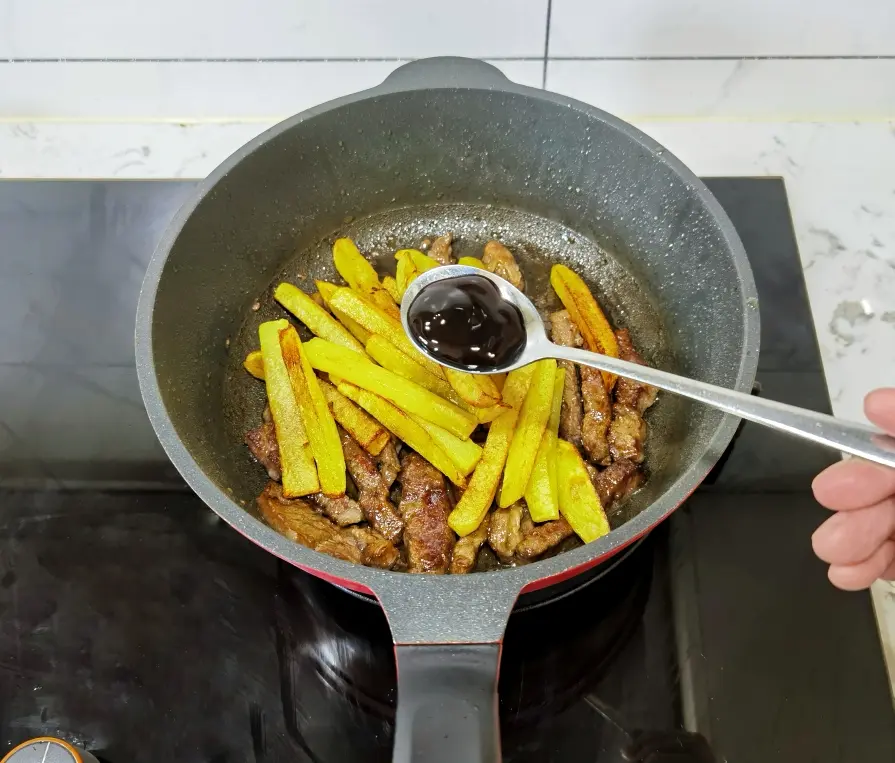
(47, 750)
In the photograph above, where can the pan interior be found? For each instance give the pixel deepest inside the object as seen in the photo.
(538, 243)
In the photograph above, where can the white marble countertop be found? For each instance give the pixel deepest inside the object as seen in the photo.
(840, 178)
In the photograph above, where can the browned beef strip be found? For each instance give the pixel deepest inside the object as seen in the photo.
(627, 433)
(617, 481)
(300, 523)
(372, 490)
(466, 549)
(425, 506)
(500, 261)
(388, 463)
(376, 551)
(541, 538)
(343, 511)
(441, 249)
(564, 332)
(505, 533)
(628, 393)
(597, 415)
(262, 443)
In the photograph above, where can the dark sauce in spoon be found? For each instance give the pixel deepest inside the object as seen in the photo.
(465, 322)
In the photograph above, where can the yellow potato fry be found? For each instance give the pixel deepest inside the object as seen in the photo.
(528, 433)
(353, 266)
(471, 262)
(411, 263)
(586, 314)
(475, 389)
(578, 499)
(368, 432)
(326, 291)
(320, 322)
(542, 495)
(410, 397)
(299, 473)
(402, 426)
(464, 453)
(390, 357)
(374, 320)
(486, 415)
(422, 261)
(391, 286)
(476, 501)
(254, 364)
(319, 424)
(499, 380)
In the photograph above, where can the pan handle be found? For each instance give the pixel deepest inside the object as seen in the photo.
(447, 703)
(445, 71)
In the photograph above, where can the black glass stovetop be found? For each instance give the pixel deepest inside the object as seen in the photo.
(135, 624)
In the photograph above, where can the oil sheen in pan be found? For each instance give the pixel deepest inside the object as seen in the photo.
(537, 243)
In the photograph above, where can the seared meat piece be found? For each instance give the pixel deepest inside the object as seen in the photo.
(343, 511)
(375, 550)
(262, 443)
(626, 434)
(617, 481)
(500, 261)
(597, 415)
(628, 393)
(441, 249)
(564, 332)
(373, 493)
(388, 463)
(300, 523)
(505, 533)
(466, 549)
(425, 506)
(541, 538)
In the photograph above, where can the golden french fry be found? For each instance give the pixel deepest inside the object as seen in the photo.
(353, 266)
(586, 314)
(499, 380)
(374, 320)
(254, 364)
(471, 262)
(542, 495)
(402, 426)
(475, 502)
(319, 424)
(464, 453)
(391, 286)
(410, 397)
(326, 291)
(528, 433)
(474, 389)
(320, 322)
(423, 262)
(368, 432)
(578, 499)
(411, 263)
(299, 473)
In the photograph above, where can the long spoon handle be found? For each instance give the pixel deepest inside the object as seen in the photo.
(854, 438)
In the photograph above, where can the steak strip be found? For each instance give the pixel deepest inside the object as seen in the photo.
(564, 332)
(541, 538)
(372, 490)
(425, 506)
(466, 549)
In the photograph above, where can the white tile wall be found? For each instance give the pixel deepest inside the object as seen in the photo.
(183, 92)
(770, 89)
(127, 29)
(694, 28)
(258, 60)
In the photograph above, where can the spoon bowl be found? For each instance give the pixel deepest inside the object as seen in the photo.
(849, 437)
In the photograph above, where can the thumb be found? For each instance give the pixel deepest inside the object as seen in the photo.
(879, 406)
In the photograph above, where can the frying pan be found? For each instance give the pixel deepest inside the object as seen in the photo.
(444, 144)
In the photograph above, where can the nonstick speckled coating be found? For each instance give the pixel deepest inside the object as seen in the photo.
(553, 177)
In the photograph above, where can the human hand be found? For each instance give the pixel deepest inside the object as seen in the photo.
(858, 541)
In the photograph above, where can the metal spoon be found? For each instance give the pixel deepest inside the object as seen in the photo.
(850, 437)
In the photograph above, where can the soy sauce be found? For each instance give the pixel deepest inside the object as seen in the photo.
(465, 322)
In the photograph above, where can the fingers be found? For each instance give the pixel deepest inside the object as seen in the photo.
(853, 484)
(879, 406)
(851, 537)
(856, 577)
